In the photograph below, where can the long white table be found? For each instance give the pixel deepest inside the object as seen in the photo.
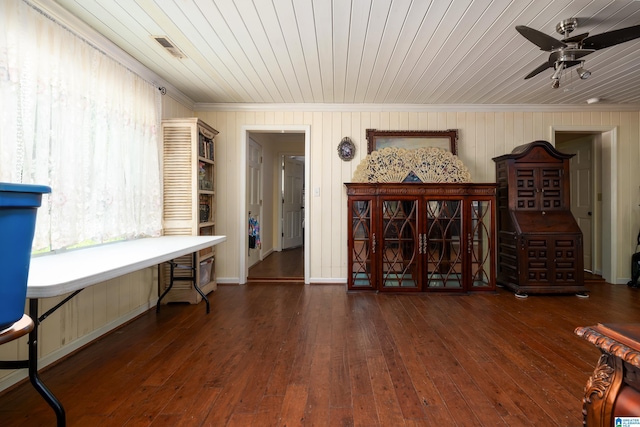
(65, 272)
(72, 271)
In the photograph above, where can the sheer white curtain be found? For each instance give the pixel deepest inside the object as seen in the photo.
(76, 120)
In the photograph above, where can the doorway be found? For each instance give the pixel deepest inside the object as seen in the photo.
(583, 189)
(286, 266)
(285, 263)
(292, 188)
(279, 258)
(254, 202)
(593, 192)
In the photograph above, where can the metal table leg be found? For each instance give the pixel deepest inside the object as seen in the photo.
(33, 367)
(172, 278)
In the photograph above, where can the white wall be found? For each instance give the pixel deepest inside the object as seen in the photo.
(483, 135)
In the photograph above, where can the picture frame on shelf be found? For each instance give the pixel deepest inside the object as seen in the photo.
(412, 139)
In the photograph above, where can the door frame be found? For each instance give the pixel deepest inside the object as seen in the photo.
(261, 195)
(609, 179)
(245, 130)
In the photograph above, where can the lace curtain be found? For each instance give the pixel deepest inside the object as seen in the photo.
(78, 121)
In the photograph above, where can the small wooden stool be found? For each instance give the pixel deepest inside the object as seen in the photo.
(18, 329)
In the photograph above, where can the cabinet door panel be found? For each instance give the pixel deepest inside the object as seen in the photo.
(442, 245)
(537, 250)
(551, 188)
(480, 244)
(553, 260)
(567, 261)
(539, 187)
(362, 253)
(526, 188)
(399, 249)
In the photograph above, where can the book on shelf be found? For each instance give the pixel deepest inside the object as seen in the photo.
(205, 147)
(201, 145)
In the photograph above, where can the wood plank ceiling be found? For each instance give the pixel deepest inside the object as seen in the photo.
(368, 51)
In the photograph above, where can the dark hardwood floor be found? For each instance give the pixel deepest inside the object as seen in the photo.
(289, 355)
(283, 266)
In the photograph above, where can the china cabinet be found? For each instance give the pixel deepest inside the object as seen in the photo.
(412, 237)
(539, 241)
(189, 205)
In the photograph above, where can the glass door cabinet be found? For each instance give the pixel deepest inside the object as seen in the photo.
(413, 237)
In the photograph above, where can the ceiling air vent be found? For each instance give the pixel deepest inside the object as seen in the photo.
(169, 46)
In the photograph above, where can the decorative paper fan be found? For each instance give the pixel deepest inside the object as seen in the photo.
(437, 165)
(392, 164)
(386, 165)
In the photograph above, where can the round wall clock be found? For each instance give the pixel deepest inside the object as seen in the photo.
(346, 149)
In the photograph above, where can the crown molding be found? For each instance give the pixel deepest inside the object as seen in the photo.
(69, 21)
(555, 108)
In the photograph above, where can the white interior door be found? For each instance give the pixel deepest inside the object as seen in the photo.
(254, 201)
(581, 179)
(292, 202)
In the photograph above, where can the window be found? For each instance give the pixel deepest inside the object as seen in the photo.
(82, 123)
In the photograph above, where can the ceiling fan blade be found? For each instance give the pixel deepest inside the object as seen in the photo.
(538, 70)
(612, 38)
(540, 39)
(576, 39)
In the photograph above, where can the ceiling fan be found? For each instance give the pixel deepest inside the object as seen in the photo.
(569, 51)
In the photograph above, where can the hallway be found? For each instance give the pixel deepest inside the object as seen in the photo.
(285, 266)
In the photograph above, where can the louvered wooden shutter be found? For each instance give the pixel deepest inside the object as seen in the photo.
(178, 183)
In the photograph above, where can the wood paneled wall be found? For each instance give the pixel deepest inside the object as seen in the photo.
(172, 109)
(483, 135)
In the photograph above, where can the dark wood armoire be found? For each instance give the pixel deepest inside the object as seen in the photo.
(539, 241)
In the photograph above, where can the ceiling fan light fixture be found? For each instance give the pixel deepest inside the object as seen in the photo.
(566, 53)
(583, 73)
(558, 72)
